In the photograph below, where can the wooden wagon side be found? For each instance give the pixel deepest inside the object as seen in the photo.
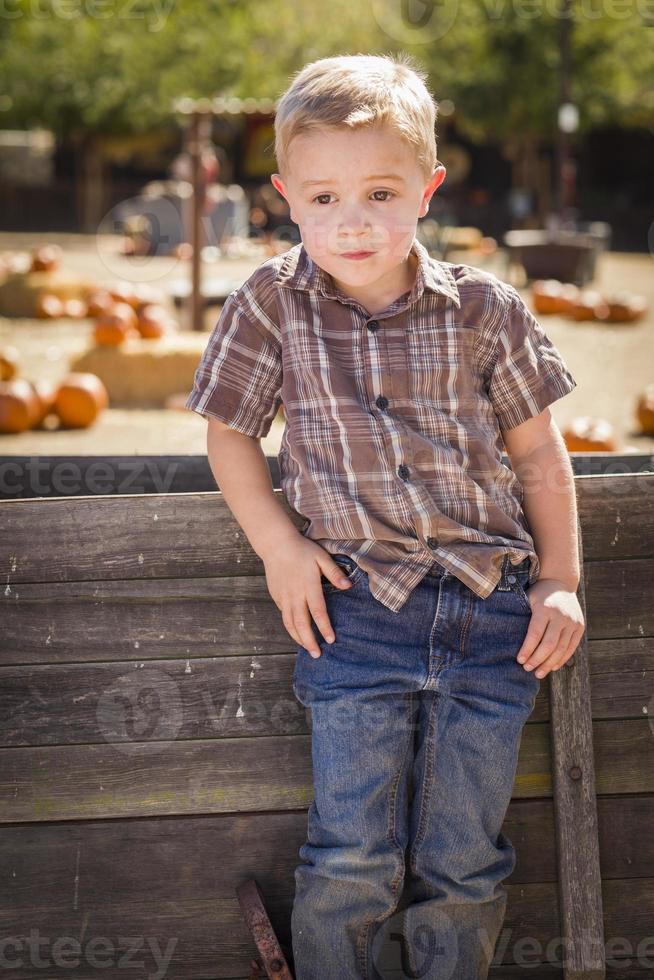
(153, 755)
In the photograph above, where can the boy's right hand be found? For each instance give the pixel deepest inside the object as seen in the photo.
(293, 580)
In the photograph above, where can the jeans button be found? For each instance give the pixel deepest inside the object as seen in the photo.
(511, 578)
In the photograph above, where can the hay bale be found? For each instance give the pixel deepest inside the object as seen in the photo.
(20, 291)
(144, 373)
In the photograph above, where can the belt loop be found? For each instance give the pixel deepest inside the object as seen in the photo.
(503, 585)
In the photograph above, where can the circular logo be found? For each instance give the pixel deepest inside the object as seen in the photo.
(415, 21)
(140, 710)
(158, 225)
(411, 944)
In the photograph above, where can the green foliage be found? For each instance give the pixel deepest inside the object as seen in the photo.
(113, 67)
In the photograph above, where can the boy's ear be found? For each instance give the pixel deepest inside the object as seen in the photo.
(279, 185)
(437, 179)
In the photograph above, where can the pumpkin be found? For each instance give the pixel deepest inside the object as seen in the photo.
(48, 305)
(112, 333)
(18, 405)
(80, 398)
(9, 362)
(47, 258)
(124, 292)
(625, 306)
(99, 301)
(645, 411)
(77, 309)
(591, 305)
(115, 326)
(45, 392)
(588, 434)
(546, 296)
(154, 321)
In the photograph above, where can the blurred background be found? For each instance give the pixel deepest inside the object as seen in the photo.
(136, 146)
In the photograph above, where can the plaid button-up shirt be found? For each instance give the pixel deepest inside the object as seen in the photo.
(392, 447)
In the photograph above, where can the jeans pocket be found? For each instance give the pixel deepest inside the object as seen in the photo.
(349, 567)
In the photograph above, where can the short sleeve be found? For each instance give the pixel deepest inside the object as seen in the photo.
(239, 377)
(529, 372)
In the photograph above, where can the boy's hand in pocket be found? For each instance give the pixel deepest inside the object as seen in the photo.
(293, 580)
(555, 629)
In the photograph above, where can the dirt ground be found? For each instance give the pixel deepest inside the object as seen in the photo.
(612, 363)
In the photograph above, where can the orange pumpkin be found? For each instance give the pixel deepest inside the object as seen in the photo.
(625, 306)
(591, 305)
(112, 333)
(645, 411)
(45, 392)
(588, 434)
(80, 399)
(545, 295)
(154, 321)
(18, 405)
(77, 309)
(125, 292)
(47, 258)
(99, 302)
(9, 362)
(48, 305)
(116, 325)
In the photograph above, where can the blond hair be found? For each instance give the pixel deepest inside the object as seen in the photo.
(359, 90)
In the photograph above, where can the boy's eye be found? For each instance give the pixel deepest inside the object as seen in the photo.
(317, 199)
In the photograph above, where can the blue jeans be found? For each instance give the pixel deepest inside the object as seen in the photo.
(416, 721)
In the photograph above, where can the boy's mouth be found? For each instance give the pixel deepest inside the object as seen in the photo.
(356, 255)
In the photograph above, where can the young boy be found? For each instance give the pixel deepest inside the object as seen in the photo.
(402, 380)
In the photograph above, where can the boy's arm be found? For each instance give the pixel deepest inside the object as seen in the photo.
(540, 460)
(239, 466)
(237, 388)
(527, 375)
(292, 562)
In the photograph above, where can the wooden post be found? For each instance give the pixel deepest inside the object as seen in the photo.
(575, 812)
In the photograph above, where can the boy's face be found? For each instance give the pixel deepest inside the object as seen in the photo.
(342, 210)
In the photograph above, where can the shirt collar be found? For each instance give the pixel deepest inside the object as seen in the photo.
(299, 271)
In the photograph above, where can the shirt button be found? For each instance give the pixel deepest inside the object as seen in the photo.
(373, 325)
(382, 402)
(432, 542)
(403, 471)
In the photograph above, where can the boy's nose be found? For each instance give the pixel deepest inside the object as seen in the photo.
(353, 224)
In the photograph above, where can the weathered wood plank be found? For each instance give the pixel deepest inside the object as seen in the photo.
(232, 696)
(575, 810)
(221, 697)
(124, 537)
(64, 880)
(25, 477)
(138, 778)
(94, 620)
(57, 476)
(192, 617)
(619, 598)
(180, 535)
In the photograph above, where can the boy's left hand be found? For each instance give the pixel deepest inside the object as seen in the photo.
(556, 626)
